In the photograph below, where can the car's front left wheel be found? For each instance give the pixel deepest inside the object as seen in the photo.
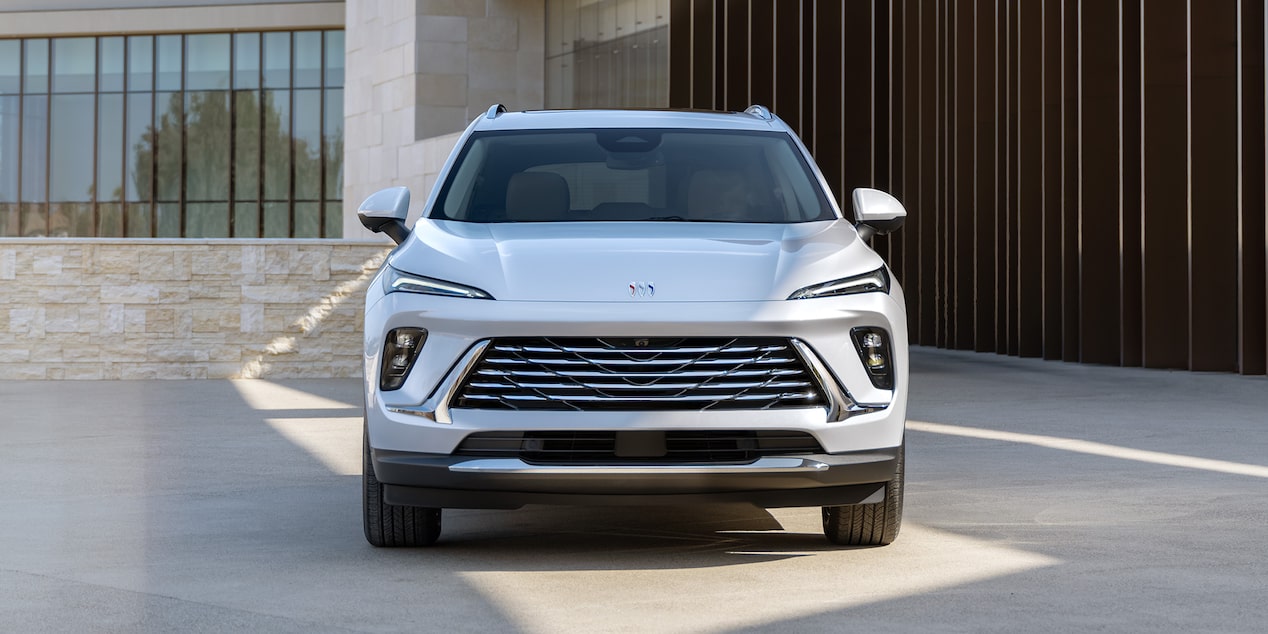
(388, 524)
(868, 524)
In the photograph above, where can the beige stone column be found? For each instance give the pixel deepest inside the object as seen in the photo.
(417, 73)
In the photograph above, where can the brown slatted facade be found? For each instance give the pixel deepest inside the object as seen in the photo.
(1085, 180)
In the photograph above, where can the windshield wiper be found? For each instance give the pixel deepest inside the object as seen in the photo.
(678, 218)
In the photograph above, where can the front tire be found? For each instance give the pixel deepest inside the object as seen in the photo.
(390, 525)
(868, 524)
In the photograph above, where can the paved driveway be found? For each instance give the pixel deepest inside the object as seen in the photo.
(1041, 496)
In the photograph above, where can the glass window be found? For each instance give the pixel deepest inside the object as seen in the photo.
(246, 147)
(111, 61)
(207, 147)
(71, 219)
(332, 129)
(34, 221)
(307, 138)
(277, 145)
(34, 148)
(10, 159)
(207, 220)
(139, 220)
(308, 59)
(141, 62)
(138, 144)
(10, 220)
(207, 61)
(307, 220)
(110, 147)
(334, 219)
(35, 74)
(277, 220)
(10, 65)
(246, 60)
(168, 52)
(110, 220)
(607, 54)
(167, 220)
(246, 220)
(277, 60)
(168, 118)
(71, 134)
(74, 64)
(334, 59)
(172, 135)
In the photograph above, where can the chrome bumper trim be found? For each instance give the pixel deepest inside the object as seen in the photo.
(841, 405)
(761, 465)
(436, 407)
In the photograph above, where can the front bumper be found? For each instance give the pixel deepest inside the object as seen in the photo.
(414, 434)
(430, 480)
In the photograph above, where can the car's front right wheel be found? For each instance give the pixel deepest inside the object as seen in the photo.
(874, 524)
(388, 524)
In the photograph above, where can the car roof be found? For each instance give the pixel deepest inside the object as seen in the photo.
(756, 118)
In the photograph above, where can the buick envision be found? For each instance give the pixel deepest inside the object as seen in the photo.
(633, 307)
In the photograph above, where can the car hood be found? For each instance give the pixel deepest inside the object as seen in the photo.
(635, 261)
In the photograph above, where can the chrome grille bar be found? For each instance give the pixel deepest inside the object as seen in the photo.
(697, 373)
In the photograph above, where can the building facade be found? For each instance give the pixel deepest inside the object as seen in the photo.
(178, 178)
(1084, 178)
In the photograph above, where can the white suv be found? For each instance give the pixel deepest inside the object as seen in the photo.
(633, 307)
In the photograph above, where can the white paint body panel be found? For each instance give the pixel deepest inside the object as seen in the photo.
(572, 279)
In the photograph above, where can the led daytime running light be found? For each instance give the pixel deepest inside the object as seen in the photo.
(399, 282)
(870, 282)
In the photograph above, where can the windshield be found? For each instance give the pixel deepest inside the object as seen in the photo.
(631, 175)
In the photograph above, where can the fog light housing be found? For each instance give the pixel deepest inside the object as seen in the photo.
(400, 350)
(876, 353)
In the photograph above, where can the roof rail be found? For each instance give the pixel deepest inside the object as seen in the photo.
(495, 110)
(759, 111)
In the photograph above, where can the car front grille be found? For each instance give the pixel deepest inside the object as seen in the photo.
(668, 447)
(654, 373)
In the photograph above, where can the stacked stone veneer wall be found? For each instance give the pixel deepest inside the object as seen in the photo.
(156, 309)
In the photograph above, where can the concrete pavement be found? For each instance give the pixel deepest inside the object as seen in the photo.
(1040, 496)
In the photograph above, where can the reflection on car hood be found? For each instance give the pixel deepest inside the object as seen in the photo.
(608, 261)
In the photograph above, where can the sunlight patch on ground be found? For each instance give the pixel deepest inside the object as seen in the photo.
(1094, 448)
(268, 396)
(731, 589)
(335, 442)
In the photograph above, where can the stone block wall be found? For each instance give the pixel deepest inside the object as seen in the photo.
(183, 309)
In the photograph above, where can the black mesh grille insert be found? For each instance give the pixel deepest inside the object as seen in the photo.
(601, 447)
(653, 373)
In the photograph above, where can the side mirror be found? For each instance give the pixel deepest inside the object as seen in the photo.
(385, 211)
(877, 213)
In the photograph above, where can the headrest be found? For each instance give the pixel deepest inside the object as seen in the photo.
(537, 196)
(717, 195)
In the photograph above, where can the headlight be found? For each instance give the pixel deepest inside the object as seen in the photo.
(875, 281)
(400, 282)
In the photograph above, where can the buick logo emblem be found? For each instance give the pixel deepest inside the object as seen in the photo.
(642, 289)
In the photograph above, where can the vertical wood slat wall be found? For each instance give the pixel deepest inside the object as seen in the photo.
(1084, 179)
